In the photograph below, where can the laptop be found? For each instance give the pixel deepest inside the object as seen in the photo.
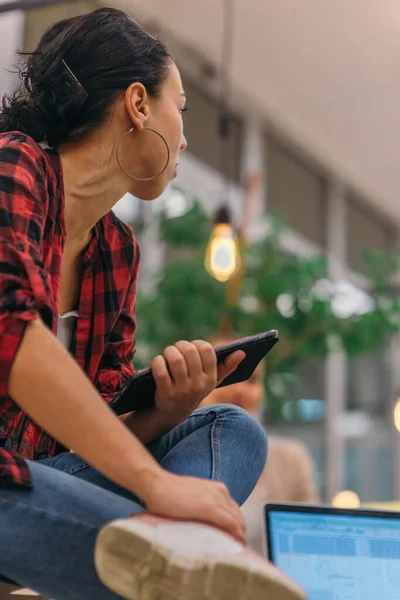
(336, 554)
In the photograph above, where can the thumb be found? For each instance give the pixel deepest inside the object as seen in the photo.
(230, 364)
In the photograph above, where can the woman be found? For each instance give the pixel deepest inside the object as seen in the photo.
(99, 114)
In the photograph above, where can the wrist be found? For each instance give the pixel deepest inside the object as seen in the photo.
(148, 425)
(148, 482)
(141, 479)
(164, 422)
(159, 423)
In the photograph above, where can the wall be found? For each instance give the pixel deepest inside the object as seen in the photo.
(11, 37)
(39, 19)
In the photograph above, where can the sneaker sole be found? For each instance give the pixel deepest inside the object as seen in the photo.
(133, 563)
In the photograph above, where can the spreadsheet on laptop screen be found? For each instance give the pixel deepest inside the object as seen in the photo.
(336, 557)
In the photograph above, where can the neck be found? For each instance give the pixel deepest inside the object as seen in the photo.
(93, 184)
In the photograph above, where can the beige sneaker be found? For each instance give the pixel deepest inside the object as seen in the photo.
(149, 558)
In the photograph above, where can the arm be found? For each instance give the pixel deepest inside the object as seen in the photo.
(79, 418)
(82, 420)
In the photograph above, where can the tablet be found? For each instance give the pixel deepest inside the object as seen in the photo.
(139, 391)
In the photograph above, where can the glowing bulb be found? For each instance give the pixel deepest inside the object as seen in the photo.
(222, 255)
(396, 415)
(346, 499)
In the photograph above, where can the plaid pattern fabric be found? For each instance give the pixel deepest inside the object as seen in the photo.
(32, 237)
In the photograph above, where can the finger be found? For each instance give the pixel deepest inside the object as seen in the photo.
(235, 510)
(192, 357)
(238, 517)
(208, 358)
(240, 533)
(230, 364)
(226, 520)
(161, 374)
(177, 366)
(229, 504)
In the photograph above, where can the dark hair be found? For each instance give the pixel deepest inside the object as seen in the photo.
(71, 80)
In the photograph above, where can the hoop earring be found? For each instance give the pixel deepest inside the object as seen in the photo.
(143, 178)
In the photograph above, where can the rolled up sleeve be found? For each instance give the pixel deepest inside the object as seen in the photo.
(25, 291)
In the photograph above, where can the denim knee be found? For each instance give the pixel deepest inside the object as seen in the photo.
(249, 430)
(249, 433)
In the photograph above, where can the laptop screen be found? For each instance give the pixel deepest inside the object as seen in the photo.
(338, 557)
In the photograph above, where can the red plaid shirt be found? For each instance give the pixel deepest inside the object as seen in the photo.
(32, 237)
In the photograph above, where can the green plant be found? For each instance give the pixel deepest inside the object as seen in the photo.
(280, 290)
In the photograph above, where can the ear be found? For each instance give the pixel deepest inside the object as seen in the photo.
(136, 104)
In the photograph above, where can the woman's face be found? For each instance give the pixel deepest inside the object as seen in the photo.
(144, 154)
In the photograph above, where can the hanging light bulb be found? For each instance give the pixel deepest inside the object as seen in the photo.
(222, 254)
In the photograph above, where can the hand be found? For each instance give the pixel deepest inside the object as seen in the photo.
(185, 374)
(193, 499)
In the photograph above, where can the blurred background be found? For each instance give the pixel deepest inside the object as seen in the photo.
(285, 212)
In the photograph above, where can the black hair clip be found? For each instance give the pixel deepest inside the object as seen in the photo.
(74, 77)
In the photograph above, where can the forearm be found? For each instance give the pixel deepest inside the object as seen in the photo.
(147, 425)
(50, 387)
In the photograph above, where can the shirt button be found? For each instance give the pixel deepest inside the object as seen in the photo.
(20, 246)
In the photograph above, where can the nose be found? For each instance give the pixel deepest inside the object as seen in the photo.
(183, 144)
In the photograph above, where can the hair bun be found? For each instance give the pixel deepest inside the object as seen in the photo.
(20, 114)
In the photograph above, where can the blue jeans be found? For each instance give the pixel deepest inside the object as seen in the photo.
(47, 535)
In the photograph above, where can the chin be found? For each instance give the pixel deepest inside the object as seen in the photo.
(148, 197)
(150, 190)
